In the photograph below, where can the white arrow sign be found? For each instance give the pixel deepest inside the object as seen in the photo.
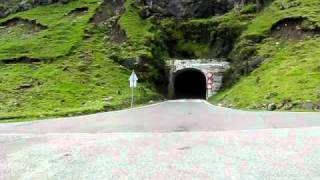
(133, 80)
(133, 84)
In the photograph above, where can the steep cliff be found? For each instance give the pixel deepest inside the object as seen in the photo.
(193, 8)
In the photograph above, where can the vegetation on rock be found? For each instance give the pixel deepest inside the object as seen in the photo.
(75, 57)
(73, 74)
(276, 59)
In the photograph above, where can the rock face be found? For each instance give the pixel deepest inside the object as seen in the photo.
(191, 8)
(8, 7)
(187, 8)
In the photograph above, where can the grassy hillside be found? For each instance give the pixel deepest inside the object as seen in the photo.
(63, 68)
(61, 31)
(290, 73)
(75, 58)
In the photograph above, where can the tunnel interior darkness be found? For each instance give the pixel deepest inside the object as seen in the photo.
(190, 84)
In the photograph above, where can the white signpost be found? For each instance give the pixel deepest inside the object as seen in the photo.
(133, 84)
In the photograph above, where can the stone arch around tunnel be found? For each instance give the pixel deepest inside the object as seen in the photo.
(211, 69)
(190, 83)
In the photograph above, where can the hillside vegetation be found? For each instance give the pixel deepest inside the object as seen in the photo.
(286, 36)
(62, 68)
(75, 57)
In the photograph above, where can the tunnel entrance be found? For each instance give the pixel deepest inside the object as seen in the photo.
(190, 84)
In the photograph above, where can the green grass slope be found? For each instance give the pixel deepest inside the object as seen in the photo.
(74, 74)
(290, 74)
(60, 60)
(61, 35)
(136, 28)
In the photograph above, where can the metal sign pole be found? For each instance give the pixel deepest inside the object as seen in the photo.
(132, 96)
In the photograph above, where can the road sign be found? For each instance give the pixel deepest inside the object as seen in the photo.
(210, 80)
(133, 84)
(133, 80)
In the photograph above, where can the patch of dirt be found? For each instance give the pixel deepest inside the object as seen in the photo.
(117, 35)
(294, 29)
(107, 10)
(29, 26)
(78, 11)
(109, 13)
(23, 60)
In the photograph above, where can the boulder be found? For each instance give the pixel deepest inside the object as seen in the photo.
(308, 105)
(254, 63)
(272, 107)
(286, 104)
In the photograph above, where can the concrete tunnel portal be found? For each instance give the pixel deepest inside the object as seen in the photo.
(190, 84)
(194, 78)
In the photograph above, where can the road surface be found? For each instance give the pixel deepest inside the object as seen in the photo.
(171, 140)
(170, 116)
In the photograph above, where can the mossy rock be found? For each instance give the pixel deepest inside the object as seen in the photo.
(249, 9)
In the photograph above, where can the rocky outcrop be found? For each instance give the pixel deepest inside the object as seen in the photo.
(186, 8)
(192, 8)
(9, 7)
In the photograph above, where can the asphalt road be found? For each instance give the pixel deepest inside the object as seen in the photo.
(171, 140)
(170, 116)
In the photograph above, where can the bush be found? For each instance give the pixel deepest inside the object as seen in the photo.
(1, 7)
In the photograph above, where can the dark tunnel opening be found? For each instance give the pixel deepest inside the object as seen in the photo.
(190, 84)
